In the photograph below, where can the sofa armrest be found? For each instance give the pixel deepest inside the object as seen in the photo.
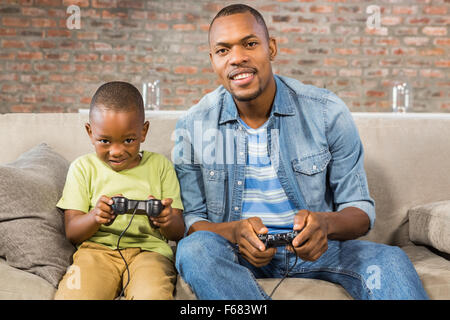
(429, 224)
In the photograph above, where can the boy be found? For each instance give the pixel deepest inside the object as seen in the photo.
(116, 128)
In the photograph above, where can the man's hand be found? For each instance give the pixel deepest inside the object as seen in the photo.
(312, 241)
(102, 212)
(250, 247)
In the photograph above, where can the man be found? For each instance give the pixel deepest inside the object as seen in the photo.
(265, 153)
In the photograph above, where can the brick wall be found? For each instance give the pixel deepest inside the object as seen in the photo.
(47, 67)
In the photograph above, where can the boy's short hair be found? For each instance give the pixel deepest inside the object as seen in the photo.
(240, 8)
(118, 96)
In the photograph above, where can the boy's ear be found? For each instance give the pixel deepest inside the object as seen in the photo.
(145, 130)
(87, 126)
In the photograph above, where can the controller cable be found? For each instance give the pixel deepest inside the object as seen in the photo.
(118, 249)
(287, 272)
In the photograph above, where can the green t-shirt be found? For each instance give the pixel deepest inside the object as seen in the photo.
(89, 178)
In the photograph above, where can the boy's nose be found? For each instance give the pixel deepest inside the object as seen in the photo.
(115, 150)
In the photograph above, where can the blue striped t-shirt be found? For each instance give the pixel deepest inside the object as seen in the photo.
(264, 196)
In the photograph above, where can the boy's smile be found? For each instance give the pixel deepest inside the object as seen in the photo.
(117, 136)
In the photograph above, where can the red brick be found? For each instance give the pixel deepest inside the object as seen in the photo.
(346, 51)
(184, 27)
(185, 70)
(43, 44)
(12, 44)
(321, 9)
(22, 108)
(416, 41)
(435, 31)
(432, 52)
(43, 23)
(442, 41)
(29, 55)
(442, 64)
(15, 22)
(431, 73)
(435, 10)
(80, 3)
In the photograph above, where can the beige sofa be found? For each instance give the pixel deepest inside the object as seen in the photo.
(407, 161)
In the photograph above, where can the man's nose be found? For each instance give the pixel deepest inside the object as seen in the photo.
(238, 55)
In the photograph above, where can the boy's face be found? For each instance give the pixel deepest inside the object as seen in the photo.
(117, 136)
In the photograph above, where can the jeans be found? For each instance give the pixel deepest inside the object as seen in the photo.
(214, 269)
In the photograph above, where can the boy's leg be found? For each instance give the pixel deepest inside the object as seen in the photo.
(367, 270)
(152, 276)
(209, 264)
(94, 275)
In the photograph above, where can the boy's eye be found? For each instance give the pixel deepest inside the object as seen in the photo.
(129, 140)
(103, 141)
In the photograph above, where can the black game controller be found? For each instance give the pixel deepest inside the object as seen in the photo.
(150, 208)
(278, 239)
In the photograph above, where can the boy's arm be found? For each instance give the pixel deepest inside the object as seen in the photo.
(80, 226)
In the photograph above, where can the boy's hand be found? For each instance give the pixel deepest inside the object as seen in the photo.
(102, 211)
(165, 218)
(170, 220)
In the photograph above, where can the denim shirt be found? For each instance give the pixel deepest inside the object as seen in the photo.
(313, 144)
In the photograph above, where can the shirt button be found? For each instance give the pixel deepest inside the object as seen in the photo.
(241, 153)
(236, 208)
(314, 167)
(239, 182)
(211, 173)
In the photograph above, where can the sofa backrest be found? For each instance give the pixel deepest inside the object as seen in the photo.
(407, 157)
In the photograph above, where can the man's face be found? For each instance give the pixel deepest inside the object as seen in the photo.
(116, 137)
(240, 55)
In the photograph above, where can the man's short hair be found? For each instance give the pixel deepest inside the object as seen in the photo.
(118, 96)
(240, 8)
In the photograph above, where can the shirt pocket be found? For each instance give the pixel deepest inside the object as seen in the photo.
(214, 181)
(311, 174)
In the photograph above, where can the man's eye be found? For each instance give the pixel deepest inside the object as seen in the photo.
(252, 44)
(221, 51)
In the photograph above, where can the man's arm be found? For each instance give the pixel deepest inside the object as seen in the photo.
(355, 213)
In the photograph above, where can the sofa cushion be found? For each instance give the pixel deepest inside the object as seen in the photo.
(21, 285)
(429, 224)
(32, 234)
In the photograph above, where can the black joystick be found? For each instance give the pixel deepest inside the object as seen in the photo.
(150, 207)
(278, 239)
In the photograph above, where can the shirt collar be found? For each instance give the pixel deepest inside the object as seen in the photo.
(283, 103)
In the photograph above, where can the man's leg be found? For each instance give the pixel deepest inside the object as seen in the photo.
(367, 270)
(209, 264)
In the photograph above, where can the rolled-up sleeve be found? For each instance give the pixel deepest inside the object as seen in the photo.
(347, 175)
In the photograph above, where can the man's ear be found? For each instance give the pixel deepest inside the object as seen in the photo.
(144, 130)
(211, 61)
(272, 48)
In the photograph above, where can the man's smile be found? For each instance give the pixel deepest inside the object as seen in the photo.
(242, 76)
